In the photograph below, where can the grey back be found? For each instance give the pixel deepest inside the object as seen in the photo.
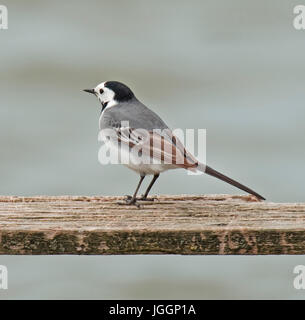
(133, 111)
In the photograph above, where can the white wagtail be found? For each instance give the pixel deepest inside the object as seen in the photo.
(119, 105)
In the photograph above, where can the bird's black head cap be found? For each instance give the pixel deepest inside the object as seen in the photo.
(122, 92)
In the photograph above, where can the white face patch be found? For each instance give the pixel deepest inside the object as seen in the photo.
(105, 95)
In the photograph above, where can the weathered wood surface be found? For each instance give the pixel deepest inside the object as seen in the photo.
(212, 224)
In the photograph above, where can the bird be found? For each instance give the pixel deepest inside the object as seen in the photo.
(120, 106)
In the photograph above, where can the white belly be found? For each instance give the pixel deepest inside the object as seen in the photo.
(143, 165)
(149, 169)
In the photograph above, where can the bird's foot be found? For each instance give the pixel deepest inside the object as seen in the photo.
(128, 201)
(144, 198)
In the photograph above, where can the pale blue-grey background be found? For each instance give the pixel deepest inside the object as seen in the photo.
(234, 67)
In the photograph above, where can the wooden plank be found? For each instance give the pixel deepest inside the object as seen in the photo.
(211, 224)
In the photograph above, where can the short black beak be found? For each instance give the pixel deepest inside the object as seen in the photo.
(89, 90)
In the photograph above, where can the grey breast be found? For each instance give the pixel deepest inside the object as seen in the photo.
(136, 113)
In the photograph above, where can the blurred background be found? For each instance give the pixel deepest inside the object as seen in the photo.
(234, 68)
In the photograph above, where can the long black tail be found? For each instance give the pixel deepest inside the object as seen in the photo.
(208, 170)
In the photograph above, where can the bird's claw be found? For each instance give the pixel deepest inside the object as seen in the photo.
(129, 201)
(143, 198)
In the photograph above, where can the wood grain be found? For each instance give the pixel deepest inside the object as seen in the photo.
(184, 224)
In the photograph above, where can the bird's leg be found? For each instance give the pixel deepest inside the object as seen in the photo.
(144, 197)
(133, 199)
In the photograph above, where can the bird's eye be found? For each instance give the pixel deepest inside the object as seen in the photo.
(101, 91)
